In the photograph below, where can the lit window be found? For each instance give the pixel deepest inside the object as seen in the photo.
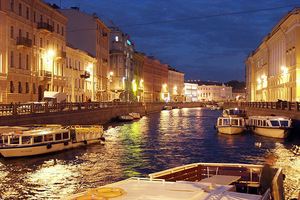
(117, 38)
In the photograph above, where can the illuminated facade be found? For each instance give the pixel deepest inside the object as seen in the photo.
(214, 92)
(191, 92)
(90, 34)
(138, 83)
(32, 50)
(273, 69)
(176, 85)
(79, 75)
(155, 80)
(122, 66)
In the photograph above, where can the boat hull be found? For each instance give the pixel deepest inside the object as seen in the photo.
(272, 132)
(43, 148)
(230, 130)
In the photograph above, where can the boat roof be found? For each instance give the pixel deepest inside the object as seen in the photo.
(159, 189)
(37, 132)
(8, 129)
(269, 117)
(230, 117)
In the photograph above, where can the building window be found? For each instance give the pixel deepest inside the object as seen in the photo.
(20, 9)
(12, 59)
(11, 32)
(117, 38)
(41, 18)
(27, 62)
(12, 5)
(34, 16)
(11, 89)
(20, 87)
(20, 60)
(62, 31)
(20, 32)
(58, 28)
(34, 43)
(27, 88)
(41, 42)
(27, 13)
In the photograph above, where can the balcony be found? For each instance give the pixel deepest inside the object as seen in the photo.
(61, 55)
(44, 27)
(23, 42)
(86, 74)
(45, 74)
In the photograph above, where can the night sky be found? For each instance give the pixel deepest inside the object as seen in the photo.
(206, 40)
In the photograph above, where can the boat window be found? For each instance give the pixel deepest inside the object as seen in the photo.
(26, 140)
(5, 139)
(48, 137)
(220, 122)
(65, 135)
(234, 122)
(58, 136)
(14, 140)
(284, 122)
(274, 122)
(226, 122)
(38, 139)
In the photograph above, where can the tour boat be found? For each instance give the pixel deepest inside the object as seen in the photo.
(270, 126)
(135, 115)
(231, 125)
(48, 140)
(194, 181)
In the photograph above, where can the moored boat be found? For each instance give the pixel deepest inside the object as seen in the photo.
(167, 108)
(125, 118)
(194, 181)
(270, 126)
(231, 125)
(135, 115)
(42, 141)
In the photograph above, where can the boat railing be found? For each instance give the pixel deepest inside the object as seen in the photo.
(249, 175)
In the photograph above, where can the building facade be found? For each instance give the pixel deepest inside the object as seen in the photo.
(155, 80)
(176, 85)
(90, 34)
(138, 81)
(80, 76)
(273, 69)
(32, 50)
(122, 66)
(191, 92)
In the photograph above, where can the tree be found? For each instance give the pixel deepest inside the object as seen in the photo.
(236, 84)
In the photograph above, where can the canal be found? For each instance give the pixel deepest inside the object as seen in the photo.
(156, 142)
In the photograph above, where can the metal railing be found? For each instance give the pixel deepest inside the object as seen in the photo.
(43, 107)
(279, 105)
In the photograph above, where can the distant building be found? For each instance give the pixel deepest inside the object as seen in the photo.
(272, 70)
(138, 74)
(90, 34)
(212, 91)
(122, 66)
(176, 85)
(32, 50)
(155, 80)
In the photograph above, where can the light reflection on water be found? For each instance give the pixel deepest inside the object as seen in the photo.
(156, 142)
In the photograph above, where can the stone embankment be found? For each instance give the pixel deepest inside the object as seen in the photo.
(78, 113)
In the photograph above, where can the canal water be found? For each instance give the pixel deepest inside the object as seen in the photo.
(156, 142)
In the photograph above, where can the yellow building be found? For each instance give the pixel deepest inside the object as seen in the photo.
(273, 69)
(32, 50)
(176, 85)
(80, 76)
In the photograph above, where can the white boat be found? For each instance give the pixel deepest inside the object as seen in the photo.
(167, 108)
(125, 118)
(270, 126)
(197, 181)
(135, 115)
(42, 141)
(231, 125)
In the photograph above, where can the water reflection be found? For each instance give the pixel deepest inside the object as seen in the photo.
(155, 142)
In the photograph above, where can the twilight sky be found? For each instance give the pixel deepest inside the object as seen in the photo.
(211, 43)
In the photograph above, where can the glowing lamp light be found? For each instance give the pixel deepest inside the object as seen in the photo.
(51, 52)
(111, 73)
